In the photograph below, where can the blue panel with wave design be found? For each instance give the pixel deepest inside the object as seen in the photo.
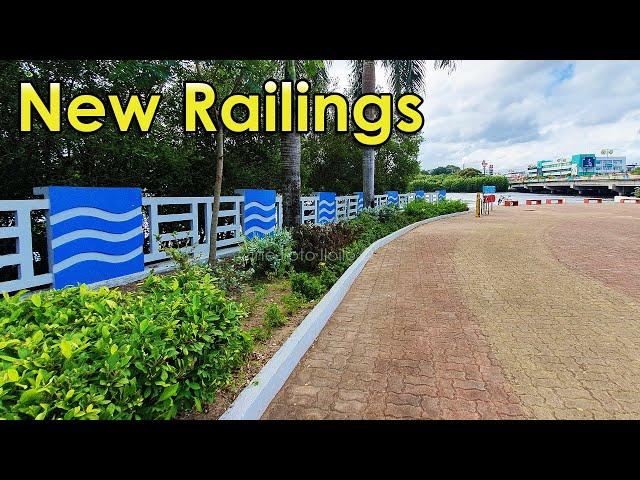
(92, 223)
(102, 212)
(326, 201)
(263, 203)
(103, 198)
(392, 198)
(91, 271)
(360, 201)
(85, 245)
(419, 193)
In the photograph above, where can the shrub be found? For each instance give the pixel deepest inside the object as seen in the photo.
(269, 255)
(232, 273)
(635, 171)
(382, 213)
(637, 192)
(78, 353)
(260, 334)
(292, 302)
(314, 244)
(308, 286)
(457, 183)
(274, 317)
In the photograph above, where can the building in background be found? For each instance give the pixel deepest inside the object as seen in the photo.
(581, 164)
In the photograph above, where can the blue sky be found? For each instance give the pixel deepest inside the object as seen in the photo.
(513, 113)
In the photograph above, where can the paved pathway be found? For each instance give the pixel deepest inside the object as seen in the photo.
(533, 312)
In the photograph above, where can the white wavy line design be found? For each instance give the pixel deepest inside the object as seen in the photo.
(256, 228)
(98, 234)
(324, 210)
(256, 216)
(94, 212)
(100, 257)
(264, 208)
(328, 204)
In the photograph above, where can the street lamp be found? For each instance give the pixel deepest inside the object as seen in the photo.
(484, 165)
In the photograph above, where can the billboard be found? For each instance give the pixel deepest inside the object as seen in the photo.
(588, 162)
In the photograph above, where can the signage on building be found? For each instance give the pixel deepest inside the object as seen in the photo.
(588, 162)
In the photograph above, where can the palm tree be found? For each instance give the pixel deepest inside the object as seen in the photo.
(290, 149)
(404, 76)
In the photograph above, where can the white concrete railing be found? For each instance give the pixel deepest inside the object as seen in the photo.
(192, 226)
(19, 229)
(165, 219)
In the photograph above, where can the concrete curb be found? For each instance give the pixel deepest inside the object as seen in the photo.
(256, 397)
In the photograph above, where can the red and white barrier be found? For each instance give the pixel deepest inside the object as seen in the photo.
(592, 200)
(621, 199)
(535, 201)
(511, 203)
(555, 201)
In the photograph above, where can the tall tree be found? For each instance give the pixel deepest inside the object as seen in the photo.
(404, 76)
(368, 153)
(228, 76)
(290, 154)
(316, 72)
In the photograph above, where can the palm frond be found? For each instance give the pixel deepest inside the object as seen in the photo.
(355, 79)
(449, 65)
(405, 75)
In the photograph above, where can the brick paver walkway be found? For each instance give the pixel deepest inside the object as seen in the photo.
(532, 312)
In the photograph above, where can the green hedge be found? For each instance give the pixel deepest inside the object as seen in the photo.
(78, 353)
(370, 225)
(456, 183)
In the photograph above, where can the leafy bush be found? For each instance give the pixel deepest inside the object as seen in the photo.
(308, 286)
(269, 255)
(636, 192)
(292, 302)
(458, 183)
(78, 353)
(274, 317)
(232, 273)
(421, 209)
(383, 213)
(635, 171)
(313, 244)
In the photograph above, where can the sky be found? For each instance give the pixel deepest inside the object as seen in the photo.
(514, 113)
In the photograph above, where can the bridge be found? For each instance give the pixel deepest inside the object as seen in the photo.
(608, 185)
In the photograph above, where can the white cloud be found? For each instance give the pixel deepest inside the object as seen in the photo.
(513, 113)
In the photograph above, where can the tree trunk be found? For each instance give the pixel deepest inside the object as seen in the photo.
(217, 190)
(290, 154)
(217, 186)
(368, 154)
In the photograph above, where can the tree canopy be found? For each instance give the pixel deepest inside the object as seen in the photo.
(166, 160)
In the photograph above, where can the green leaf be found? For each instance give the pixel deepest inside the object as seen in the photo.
(29, 396)
(144, 324)
(36, 300)
(12, 375)
(169, 391)
(114, 349)
(66, 348)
